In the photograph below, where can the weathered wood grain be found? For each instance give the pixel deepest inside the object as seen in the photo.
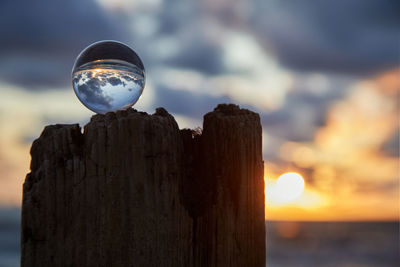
(134, 190)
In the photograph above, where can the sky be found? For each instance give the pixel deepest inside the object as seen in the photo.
(323, 75)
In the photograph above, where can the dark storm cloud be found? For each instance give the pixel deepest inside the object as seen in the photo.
(176, 14)
(200, 56)
(192, 104)
(128, 78)
(300, 116)
(354, 37)
(114, 81)
(93, 94)
(185, 21)
(358, 37)
(392, 146)
(40, 39)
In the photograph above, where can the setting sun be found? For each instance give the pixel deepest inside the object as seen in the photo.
(288, 187)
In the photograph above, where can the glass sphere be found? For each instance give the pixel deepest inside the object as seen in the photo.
(108, 76)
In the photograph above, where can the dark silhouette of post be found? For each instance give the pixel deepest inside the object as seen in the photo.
(134, 190)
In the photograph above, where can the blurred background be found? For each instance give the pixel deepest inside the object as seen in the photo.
(323, 75)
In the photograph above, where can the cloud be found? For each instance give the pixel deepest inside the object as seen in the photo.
(305, 107)
(104, 90)
(190, 104)
(350, 37)
(92, 95)
(391, 147)
(40, 39)
(185, 36)
(199, 55)
(40, 43)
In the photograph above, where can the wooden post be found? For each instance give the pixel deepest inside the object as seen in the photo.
(134, 190)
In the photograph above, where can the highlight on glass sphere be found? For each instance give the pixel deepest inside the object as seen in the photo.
(108, 76)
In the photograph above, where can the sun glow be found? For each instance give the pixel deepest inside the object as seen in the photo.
(288, 198)
(287, 188)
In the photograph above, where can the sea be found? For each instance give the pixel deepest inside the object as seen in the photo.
(294, 244)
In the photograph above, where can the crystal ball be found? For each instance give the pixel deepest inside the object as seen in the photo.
(108, 76)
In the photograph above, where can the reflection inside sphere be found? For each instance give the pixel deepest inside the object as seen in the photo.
(108, 76)
(105, 86)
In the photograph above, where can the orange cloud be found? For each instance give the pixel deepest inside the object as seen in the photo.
(347, 169)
